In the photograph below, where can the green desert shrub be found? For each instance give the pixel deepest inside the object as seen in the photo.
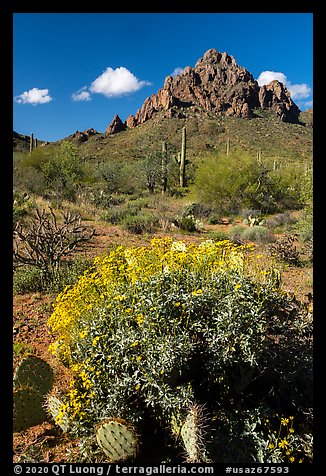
(186, 223)
(142, 222)
(230, 183)
(257, 233)
(114, 215)
(188, 220)
(29, 279)
(219, 235)
(236, 232)
(63, 172)
(305, 222)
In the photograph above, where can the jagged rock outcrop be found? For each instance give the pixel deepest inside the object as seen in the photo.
(90, 132)
(218, 84)
(83, 136)
(80, 136)
(116, 126)
(275, 96)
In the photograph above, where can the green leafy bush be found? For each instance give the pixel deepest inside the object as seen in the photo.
(186, 223)
(236, 232)
(63, 172)
(22, 206)
(219, 235)
(229, 183)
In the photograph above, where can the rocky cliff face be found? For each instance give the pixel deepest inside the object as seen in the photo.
(275, 96)
(216, 83)
(116, 126)
(83, 136)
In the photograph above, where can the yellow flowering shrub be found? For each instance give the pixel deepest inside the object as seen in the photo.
(150, 330)
(124, 266)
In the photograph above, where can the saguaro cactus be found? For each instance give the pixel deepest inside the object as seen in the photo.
(31, 143)
(183, 159)
(228, 146)
(164, 167)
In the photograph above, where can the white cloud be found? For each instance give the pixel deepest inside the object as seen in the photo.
(81, 95)
(116, 82)
(177, 71)
(297, 91)
(267, 76)
(34, 96)
(304, 105)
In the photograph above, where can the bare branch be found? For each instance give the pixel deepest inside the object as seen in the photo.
(45, 242)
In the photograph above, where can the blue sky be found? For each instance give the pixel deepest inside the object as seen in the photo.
(73, 71)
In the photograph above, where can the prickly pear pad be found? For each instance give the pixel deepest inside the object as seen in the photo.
(117, 439)
(34, 372)
(28, 408)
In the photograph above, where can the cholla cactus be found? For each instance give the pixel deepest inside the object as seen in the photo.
(193, 435)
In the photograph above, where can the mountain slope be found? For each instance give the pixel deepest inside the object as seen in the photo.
(217, 101)
(265, 132)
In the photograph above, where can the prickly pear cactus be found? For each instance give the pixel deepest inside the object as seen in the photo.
(192, 434)
(117, 439)
(53, 407)
(28, 408)
(34, 372)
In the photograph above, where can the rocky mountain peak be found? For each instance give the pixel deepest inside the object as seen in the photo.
(218, 85)
(213, 56)
(116, 126)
